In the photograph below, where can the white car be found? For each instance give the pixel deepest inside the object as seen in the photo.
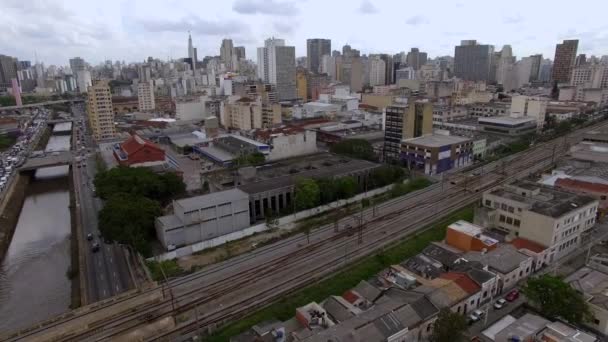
(500, 303)
(476, 315)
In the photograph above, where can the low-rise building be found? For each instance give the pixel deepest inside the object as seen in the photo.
(435, 153)
(506, 125)
(592, 283)
(137, 151)
(469, 237)
(599, 191)
(542, 214)
(203, 217)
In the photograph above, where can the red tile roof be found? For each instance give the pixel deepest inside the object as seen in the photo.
(463, 281)
(575, 184)
(521, 243)
(135, 143)
(350, 296)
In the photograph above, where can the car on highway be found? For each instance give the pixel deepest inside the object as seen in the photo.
(512, 295)
(95, 247)
(500, 303)
(89, 236)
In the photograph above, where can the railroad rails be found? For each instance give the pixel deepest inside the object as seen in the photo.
(282, 267)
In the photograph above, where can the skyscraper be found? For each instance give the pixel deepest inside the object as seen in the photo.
(226, 52)
(191, 52)
(77, 64)
(565, 55)
(473, 61)
(377, 71)
(145, 96)
(416, 59)
(239, 51)
(316, 48)
(8, 71)
(536, 61)
(99, 108)
(277, 65)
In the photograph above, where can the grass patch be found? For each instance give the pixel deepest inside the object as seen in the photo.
(6, 141)
(169, 267)
(284, 308)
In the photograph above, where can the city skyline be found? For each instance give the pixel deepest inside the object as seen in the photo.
(132, 31)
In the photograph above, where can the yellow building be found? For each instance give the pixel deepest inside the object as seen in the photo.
(418, 119)
(301, 84)
(99, 109)
(243, 114)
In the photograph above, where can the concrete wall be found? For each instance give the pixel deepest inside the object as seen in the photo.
(293, 145)
(189, 110)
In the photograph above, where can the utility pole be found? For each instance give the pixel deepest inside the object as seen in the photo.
(167, 282)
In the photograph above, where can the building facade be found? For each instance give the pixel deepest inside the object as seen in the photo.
(315, 50)
(473, 61)
(434, 154)
(100, 111)
(563, 63)
(145, 96)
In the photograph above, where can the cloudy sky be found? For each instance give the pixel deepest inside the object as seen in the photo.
(131, 30)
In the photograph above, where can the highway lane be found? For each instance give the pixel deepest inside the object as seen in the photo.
(219, 287)
(107, 271)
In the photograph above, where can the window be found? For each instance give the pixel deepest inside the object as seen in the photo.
(485, 294)
(502, 218)
(516, 222)
(511, 209)
(596, 321)
(509, 220)
(488, 203)
(503, 206)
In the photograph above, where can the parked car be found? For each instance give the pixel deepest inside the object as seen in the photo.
(500, 303)
(512, 295)
(95, 247)
(476, 316)
(89, 236)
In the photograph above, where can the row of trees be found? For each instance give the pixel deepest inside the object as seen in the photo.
(310, 193)
(133, 201)
(355, 148)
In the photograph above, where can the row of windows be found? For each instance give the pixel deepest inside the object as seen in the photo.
(568, 244)
(509, 220)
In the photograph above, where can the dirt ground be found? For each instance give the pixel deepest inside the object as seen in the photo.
(229, 250)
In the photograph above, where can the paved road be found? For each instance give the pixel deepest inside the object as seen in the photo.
(107, 273)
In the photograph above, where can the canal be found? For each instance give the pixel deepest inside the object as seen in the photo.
(34, 283)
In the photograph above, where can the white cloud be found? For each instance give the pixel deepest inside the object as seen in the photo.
(367, 7)
(282, 8)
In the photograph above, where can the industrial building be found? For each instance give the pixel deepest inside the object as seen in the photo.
(434, 153)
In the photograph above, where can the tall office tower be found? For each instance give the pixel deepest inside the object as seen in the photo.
(226, 51)
(277, 65)
(239, 51)
(536, 62)
(350, 71)
(315, 50)
(580, 60)
(77, 64)
(346, 50)
(377, 71)
(565, 55)
(546, 68)
(191, 52)
(8, 71)
(416, 59)
(145, 96)
(504, 67)
(389, 74)
(328, 66)
(16, 92)
(473, 61)
(99, 108)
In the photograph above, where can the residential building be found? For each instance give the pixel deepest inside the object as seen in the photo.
(394, 119)
(16, 92)
(377, 71)
(528, 106)
(83, 80)
(226, 54)
(328, 66)
(145, 96)
(137, 151)
(99, 109)
(416, 59)
(469, 237)
(537, 61)
(350, 72)
(315, 50)
(301, 84)
(191, 108)
(562, 332)
(489, 109)
(599, 191)
(547, 216)
(239, 52)
(473, 61)
(205, 217)
(592, 282)
(407, 73)
(590, 76)
(242, 114)
(563, 63)
(434, 154)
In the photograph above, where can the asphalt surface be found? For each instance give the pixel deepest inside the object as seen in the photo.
(107, 273)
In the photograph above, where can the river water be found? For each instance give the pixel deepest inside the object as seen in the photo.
(34, 285)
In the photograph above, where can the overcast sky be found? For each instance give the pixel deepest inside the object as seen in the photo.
(131, 30)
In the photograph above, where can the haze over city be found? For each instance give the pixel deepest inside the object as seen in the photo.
(134, 30)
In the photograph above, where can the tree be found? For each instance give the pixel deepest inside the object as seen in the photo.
(327, 188)
(139, 181)
(255, 158)
(346, 187)
(306, 193)
(355, 148)
(385, 175)
(129, 219)
(449, 327)
(555, 298)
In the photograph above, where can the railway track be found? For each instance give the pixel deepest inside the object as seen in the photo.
(199, 294)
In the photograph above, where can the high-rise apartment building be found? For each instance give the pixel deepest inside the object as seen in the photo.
(302, 84)
(536, 62)
(315, 50)
(239, 51)
(418, 120)
(416, 59)
(473, 61)
(389, 69)
(405, 119)
(8, 71)
(277, 65)
(145, 96)
(565, 55)
(590, 76)
(226, 53)
(99, 109)
(77, 64)
(377, 71)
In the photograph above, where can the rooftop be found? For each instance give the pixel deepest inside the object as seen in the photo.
(523, 328)
(203, 201)
(473, 230)
(506, 120)
(504, 259)
(521, 243)
(437, 140)
(592, 283)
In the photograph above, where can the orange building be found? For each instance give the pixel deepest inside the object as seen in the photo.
(469, 237)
